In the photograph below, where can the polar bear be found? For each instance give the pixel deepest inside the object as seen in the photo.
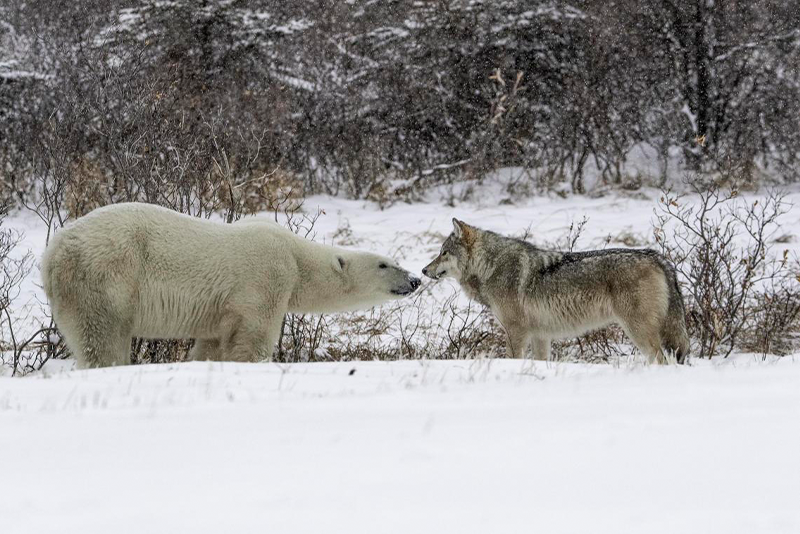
(139, 270)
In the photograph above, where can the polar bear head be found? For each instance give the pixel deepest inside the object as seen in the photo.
(371, 279)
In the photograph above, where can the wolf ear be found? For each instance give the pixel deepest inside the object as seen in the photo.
(463, 231)
(338, 264)
(458, 227)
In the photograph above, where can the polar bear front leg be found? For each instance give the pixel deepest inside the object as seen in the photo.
(253, 339)
(206, 350)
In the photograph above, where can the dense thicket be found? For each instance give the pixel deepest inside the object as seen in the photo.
(165, 101)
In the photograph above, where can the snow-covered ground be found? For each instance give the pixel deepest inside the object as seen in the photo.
(413, 446)
(409, 446)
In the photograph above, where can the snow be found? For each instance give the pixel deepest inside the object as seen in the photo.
(411, 446)
(9, 71)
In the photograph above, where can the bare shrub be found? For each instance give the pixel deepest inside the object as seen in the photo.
(45, 199)
(12, 272)
(628, 239)
(720, 246)
(160, 350)
(275, 190)
(602, 345)
(301, 338)
(364, 336)
(468, 331)
(22, 351)
(84, 190)
(775, 321)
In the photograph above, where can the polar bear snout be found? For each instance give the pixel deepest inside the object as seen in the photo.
(408, 286)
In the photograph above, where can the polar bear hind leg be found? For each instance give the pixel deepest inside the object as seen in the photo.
(96, 334)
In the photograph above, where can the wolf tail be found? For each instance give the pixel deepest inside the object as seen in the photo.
(674, 334)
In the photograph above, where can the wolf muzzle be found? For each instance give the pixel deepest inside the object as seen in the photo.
(427, 271)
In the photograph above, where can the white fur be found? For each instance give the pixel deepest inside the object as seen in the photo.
(138, 270)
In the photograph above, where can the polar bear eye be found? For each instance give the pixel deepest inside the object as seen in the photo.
(382, 266)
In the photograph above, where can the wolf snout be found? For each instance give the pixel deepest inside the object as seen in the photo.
(431, 273)
(415, 283)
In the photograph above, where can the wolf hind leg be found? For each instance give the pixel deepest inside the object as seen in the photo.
(674, 335)
(642, 321)
(651, 347)
(541, 348)
(647, 338)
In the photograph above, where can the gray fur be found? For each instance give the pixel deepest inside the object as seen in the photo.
(539, 295)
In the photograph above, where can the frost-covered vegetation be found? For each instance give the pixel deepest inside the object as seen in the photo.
(218, 108)
(380, 99)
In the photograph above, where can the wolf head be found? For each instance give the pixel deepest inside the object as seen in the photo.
(455, 253)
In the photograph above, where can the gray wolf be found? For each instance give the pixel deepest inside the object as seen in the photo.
(539, 295)
(138, 270)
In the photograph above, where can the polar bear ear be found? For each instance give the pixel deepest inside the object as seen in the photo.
(339, 264)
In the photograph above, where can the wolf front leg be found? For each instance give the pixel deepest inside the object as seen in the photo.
(518, 339)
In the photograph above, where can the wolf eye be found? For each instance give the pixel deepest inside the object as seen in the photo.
(445, 253)
(382, 266)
